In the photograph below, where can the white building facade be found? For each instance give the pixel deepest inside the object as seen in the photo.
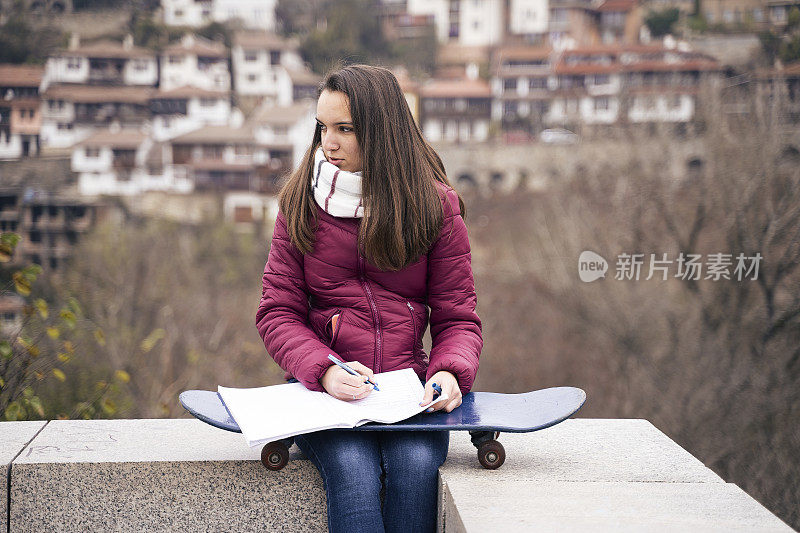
(103, 63)
(256, 14)
(261, 65)
(466, 22)
(195, 62)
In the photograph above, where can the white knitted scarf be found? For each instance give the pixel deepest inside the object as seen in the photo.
(336, 191)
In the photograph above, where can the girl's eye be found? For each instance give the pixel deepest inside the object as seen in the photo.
(346, 129)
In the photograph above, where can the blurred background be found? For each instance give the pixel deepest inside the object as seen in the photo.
(142, 144)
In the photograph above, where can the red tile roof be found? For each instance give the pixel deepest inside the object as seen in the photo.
(107, 49)
(263, 40)
(282, 114)
(96, 93)
(216, 134)
(617, 5)
(462, 88)
(188, 91)
(197, 46)
(20, 75)
(116, 139)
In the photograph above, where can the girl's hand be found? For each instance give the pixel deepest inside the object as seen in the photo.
(339, 384)
(449, 385)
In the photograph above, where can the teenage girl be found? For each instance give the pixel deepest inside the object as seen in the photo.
(369, 247)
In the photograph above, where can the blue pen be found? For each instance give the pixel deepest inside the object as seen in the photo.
(348, 369)
(437, 391)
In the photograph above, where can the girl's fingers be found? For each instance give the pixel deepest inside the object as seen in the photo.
(358, 367)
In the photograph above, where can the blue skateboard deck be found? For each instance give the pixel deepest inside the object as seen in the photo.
(483, 414)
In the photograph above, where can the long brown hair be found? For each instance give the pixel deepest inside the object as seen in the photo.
(402, 210)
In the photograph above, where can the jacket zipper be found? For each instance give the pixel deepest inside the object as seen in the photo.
(376, 318)
(414, 324)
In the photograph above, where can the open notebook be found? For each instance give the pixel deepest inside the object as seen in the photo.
(266, 414)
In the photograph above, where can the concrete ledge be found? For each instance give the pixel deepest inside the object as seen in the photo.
(14, 436)
(183, 475)
(592, 475)
(157, 475)
(604, 506)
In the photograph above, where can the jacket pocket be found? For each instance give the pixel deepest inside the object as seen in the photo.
(333, 326)
(416, 352)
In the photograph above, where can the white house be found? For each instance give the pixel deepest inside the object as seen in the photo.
(186, 12)
(123, 162)
(466, 22)
(285, 128)
(102, 63)
(257, 14)
(20, 115)
(219, 158)
(528, 17)
(197, 62)
(185, 109)
(70, 113)
(262, 65)
(455, 110)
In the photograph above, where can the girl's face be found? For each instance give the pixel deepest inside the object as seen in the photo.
(336, 127)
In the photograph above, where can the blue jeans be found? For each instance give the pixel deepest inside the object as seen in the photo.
(358, 467)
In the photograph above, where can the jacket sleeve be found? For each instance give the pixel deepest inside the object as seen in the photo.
(455, 326)
(282, 316)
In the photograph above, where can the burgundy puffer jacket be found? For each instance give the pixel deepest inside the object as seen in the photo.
(382, 315)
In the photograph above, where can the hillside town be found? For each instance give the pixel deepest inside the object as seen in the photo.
(198, 116)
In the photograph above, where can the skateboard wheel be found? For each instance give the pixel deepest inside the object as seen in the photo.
(275, 455)
(491, 454)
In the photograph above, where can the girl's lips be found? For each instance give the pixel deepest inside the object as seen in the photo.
(335, 161)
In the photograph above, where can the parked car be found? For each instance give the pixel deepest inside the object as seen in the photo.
(558, 136)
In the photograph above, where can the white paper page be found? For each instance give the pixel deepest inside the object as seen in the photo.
(398, 398)
(266, 414)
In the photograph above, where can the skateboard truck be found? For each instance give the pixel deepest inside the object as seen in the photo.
(491, 453)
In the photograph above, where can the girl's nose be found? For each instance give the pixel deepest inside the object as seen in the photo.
(329, 144)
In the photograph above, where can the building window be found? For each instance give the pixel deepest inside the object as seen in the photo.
(252, 77)
(571, 105)
(778, 14)
(175, 60)
(140, 65)
(675, 101)
(510, 84)
(208, 102)
(73, 63)
(250, 56)
(274, 57)
(92, 152)
(601, 104)
(601, 79)
(648, 102)
(538, 83)
(64, 126)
